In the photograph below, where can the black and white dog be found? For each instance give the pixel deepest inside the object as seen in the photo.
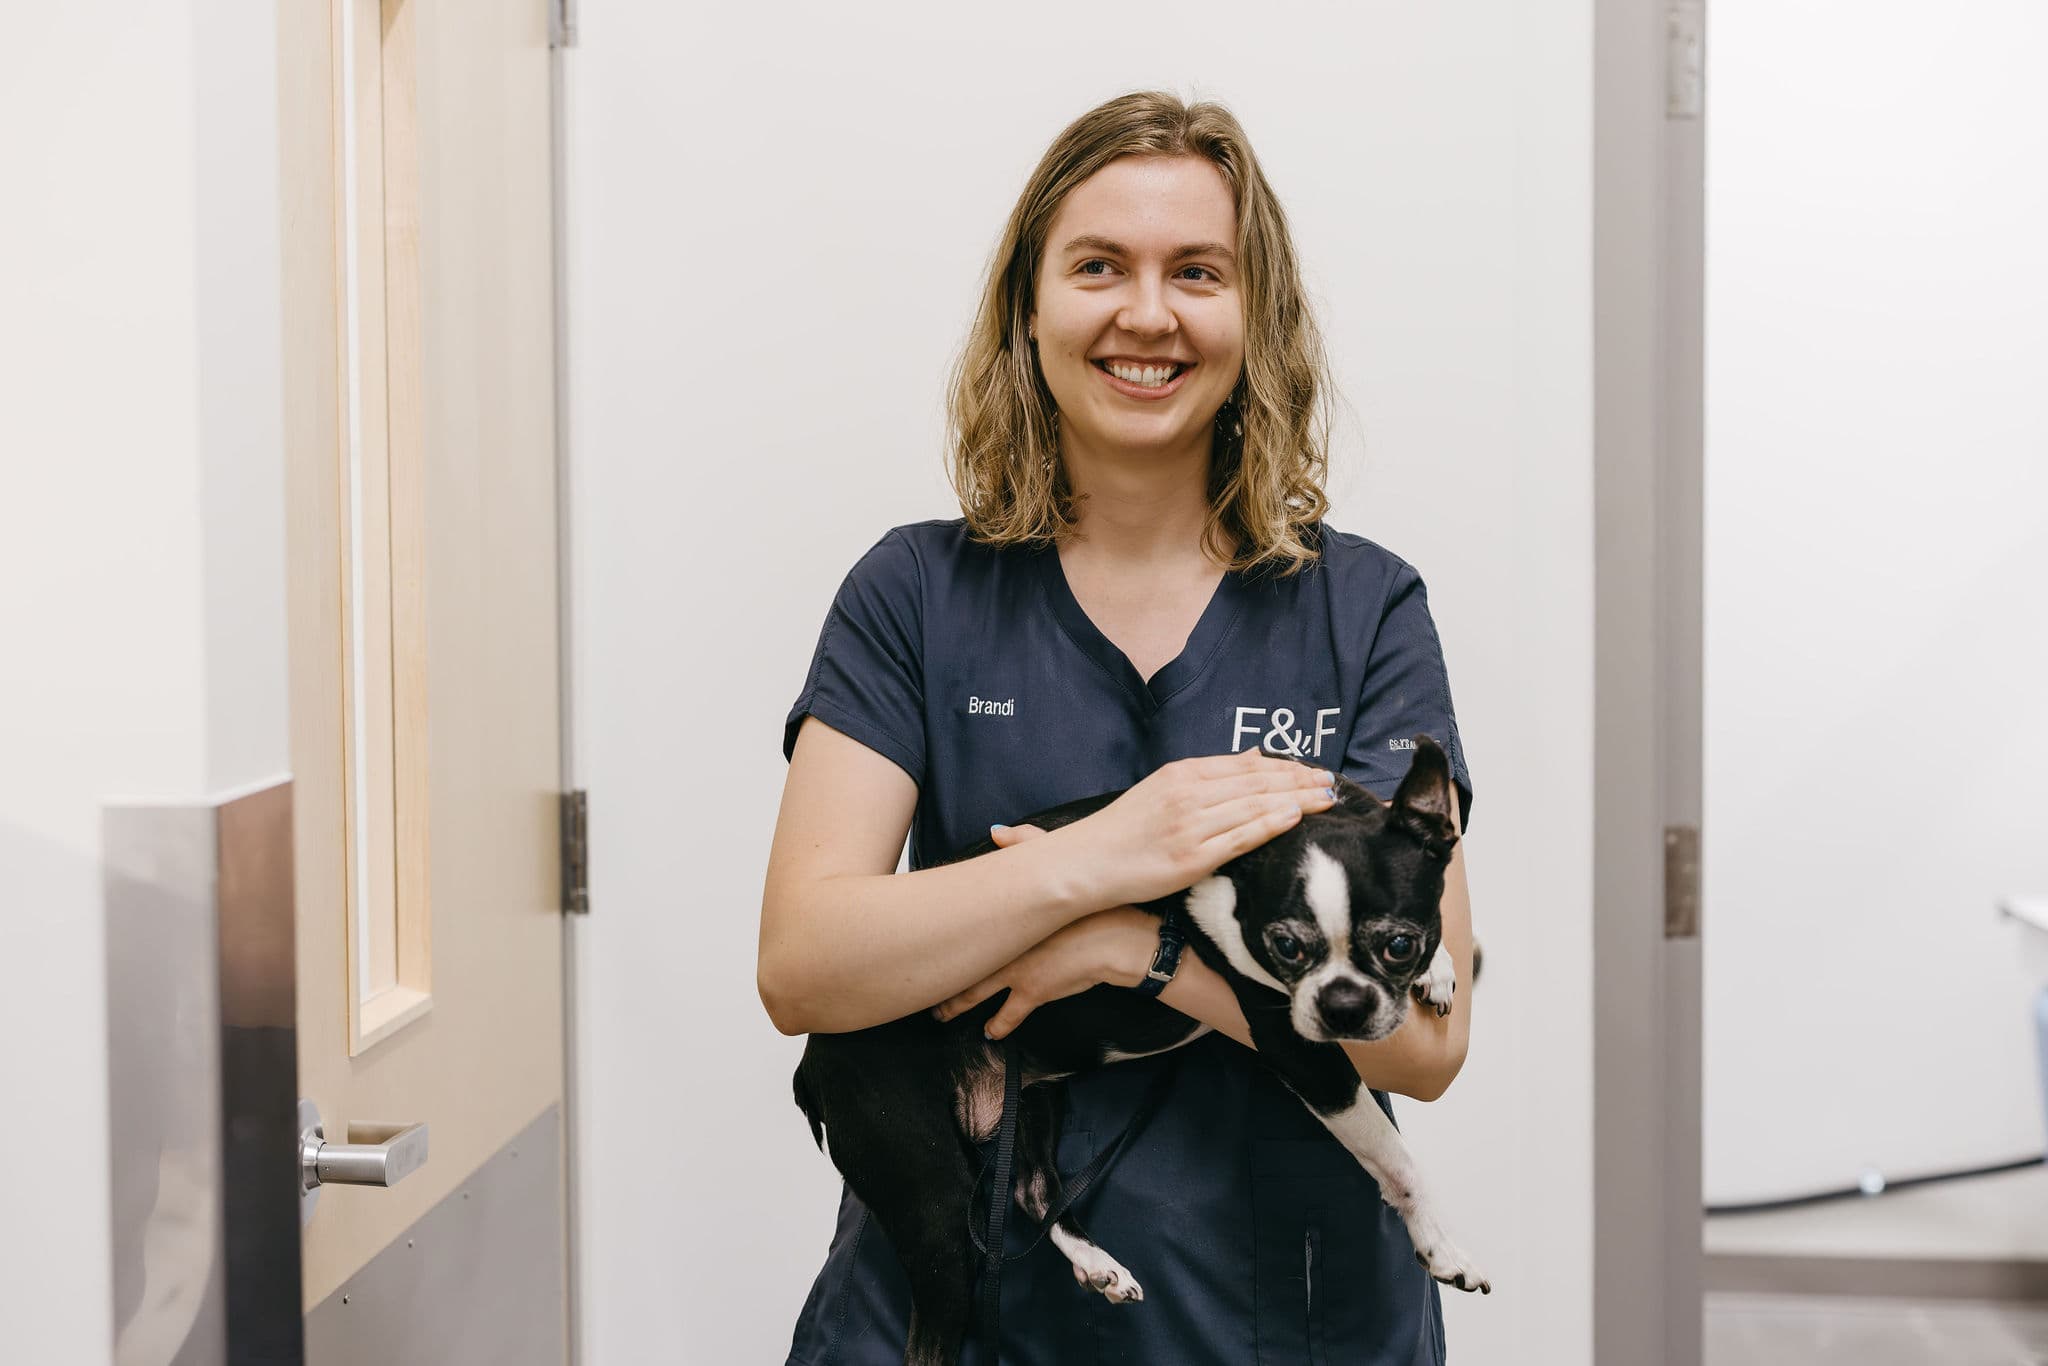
(1323, 932)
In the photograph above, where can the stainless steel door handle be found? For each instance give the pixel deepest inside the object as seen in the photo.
(375, 1155)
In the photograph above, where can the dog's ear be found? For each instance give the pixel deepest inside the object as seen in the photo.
(1422, 804)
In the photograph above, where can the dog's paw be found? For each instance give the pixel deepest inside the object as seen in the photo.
(1103, 1274)
(1437, 986)
(1446, 1263)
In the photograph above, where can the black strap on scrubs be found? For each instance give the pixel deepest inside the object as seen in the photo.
(990, 1242)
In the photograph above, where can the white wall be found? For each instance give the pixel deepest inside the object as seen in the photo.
(777, 222)
(141, 548)
(1877, 546)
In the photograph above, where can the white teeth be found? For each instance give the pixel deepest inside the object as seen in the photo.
(1150, 376)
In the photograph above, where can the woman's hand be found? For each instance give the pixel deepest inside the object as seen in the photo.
(1189, 818)
(1113, 946)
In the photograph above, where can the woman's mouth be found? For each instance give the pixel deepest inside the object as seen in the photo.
(1142, 381)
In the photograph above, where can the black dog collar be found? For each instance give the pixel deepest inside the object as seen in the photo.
(1166, 960)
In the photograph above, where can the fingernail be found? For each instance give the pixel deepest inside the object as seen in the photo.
(993, 829)
(1332, 789)
(986, 1035)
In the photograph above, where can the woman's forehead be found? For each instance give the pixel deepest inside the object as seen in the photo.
(1148, 205)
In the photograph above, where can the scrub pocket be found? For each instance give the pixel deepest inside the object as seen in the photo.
(1337, 1283)
(1047, 1319)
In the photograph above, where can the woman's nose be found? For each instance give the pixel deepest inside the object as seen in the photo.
(1147, 314)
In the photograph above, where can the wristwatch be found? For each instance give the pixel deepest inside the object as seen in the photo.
(1171, 937)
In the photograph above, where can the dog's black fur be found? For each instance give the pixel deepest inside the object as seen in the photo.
(903, 1104)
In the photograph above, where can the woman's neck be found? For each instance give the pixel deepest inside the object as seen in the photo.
(1140, 510)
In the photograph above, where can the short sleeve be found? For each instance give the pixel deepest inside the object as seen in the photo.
(1406, 692)
(867, 674)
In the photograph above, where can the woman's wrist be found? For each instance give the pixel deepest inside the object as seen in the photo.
(1065, 893)
(1129, 941)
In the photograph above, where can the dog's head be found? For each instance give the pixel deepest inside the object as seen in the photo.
(1342, 912)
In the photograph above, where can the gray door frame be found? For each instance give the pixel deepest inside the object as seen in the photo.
(1649, 148)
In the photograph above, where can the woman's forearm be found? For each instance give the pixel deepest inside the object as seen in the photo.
(1199, 992)
(843, 953)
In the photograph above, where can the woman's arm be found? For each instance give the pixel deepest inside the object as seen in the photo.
(847, 942)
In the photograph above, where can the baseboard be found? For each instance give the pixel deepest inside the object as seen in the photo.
(1896, 1277)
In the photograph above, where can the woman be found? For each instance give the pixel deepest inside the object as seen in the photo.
(1139, 594)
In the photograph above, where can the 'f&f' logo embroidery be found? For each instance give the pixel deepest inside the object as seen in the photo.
(1279, 730)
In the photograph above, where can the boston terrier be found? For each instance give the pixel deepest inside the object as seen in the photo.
(1323, 932)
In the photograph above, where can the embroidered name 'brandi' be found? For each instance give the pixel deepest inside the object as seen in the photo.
(988, 706)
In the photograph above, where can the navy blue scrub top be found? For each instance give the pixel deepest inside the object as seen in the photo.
(1256, 1236)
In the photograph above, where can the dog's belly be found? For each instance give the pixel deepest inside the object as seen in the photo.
(978, 1096)
(978, 1092)
(1110, 1054)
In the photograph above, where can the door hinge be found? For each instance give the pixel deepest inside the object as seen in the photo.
(1681, 882)
(576, 852)
(1685, 76)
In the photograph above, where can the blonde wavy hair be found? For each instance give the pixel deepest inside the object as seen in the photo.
(1271, 449)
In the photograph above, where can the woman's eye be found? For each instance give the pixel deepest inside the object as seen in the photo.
(1084, 267)
(1400, 949)
(1204, 269)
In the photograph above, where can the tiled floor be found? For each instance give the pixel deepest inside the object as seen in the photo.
(1798, 1330)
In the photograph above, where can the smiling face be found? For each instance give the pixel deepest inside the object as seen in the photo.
(1138, 315)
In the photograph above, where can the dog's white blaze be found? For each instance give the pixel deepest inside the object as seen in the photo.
(1212, 904)
(1329, 895)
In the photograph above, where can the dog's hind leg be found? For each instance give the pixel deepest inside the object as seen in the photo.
(923, 1213)
(1039, 1186)
(889, 1126)
(931, 1242)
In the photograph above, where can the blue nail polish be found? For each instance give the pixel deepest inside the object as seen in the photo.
(994, 829)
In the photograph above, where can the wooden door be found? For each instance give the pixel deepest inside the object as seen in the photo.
(419, 380)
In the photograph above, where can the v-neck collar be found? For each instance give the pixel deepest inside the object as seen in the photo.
(1218, 619)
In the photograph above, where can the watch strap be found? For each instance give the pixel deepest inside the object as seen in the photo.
(1166, 958)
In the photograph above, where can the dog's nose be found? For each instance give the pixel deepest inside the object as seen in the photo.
(1344, 1006)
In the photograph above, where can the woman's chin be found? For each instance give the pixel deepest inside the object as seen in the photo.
(1160, 435)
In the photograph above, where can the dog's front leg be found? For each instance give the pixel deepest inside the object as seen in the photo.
(1323, 1076)
(1439, 984)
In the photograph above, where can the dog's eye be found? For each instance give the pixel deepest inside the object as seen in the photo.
(1287, 947)
(1401, 949)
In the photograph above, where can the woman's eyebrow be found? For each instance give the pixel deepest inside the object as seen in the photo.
(1090, 242)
